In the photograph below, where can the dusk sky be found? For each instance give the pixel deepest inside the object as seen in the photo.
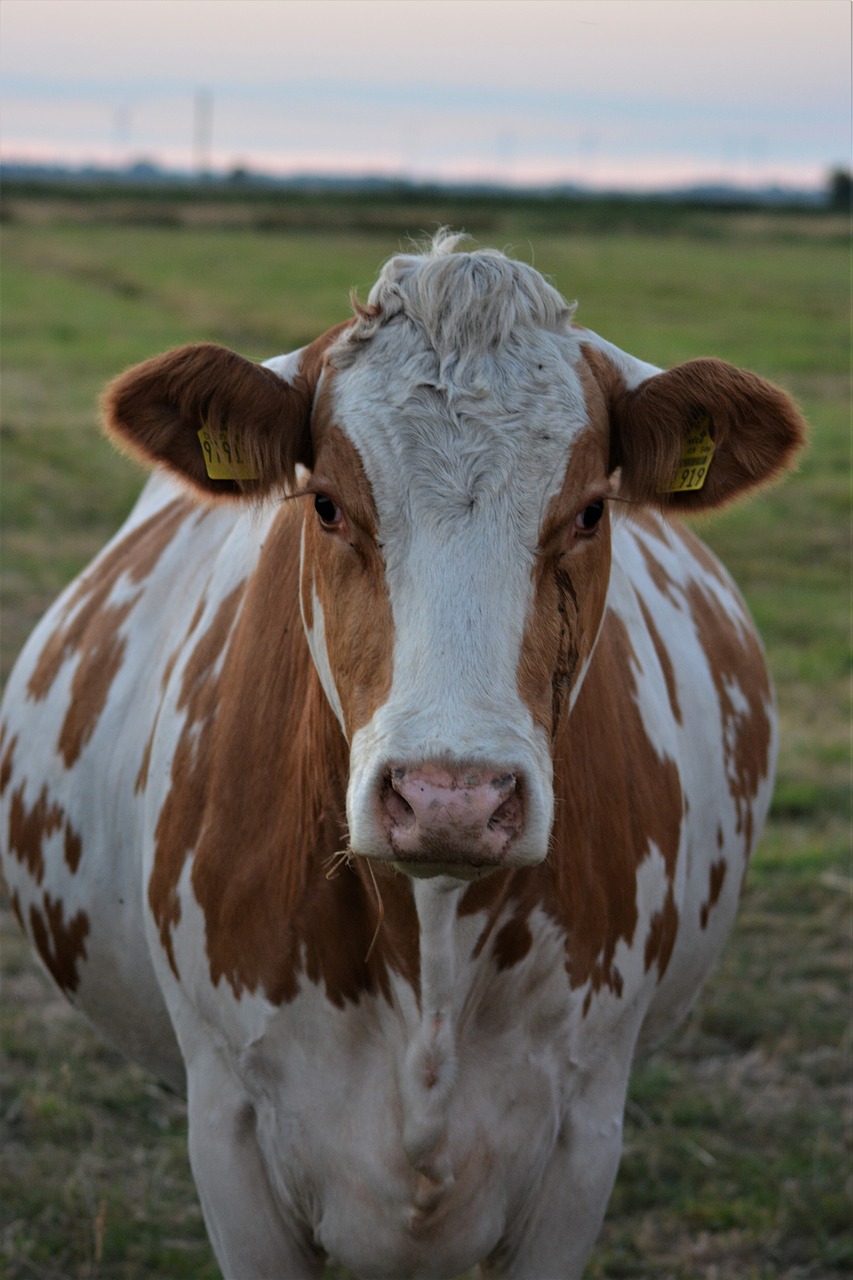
(635, 93)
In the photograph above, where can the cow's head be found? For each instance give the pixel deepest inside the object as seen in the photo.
(460, 445)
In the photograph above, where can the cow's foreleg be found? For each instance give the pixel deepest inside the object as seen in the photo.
(554, 1237)
(253, 1235)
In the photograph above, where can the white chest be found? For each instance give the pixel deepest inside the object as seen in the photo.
(421, 1130)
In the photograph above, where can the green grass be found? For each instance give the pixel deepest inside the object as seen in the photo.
(737, 1151)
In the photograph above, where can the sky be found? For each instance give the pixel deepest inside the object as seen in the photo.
(639, 94)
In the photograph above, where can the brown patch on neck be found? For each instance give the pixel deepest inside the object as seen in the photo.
(258, 793)
(600, 843)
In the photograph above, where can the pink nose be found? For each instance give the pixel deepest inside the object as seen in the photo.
(437, 814)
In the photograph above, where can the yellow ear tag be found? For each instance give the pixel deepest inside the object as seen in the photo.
(222, 458)
(695, 460)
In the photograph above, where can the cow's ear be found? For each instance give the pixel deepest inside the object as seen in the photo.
(697, 436)
(224, 426)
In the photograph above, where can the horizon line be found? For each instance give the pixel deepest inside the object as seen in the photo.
(691, 177)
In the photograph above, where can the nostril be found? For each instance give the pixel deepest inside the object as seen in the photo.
(508, 817)
(394, 805)
(507, 812)
(464, 814)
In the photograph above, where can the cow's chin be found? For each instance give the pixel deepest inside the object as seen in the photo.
(422, 869)
(432, 859)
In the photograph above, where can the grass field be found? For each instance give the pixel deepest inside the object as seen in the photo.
(737, 1159)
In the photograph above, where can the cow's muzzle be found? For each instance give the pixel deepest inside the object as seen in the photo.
(441, 820)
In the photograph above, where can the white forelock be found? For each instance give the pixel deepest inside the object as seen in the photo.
(466, 304)
(462, 375)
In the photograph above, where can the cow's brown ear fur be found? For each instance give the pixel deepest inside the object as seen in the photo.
(258, 424)
(755, 427)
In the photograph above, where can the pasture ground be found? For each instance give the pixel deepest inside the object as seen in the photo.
(738, 1137)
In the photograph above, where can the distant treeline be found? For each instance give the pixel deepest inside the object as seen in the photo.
(144, 195)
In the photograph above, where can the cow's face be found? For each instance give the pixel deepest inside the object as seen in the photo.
(461, 444)
(455, 567)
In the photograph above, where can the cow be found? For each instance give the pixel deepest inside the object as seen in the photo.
(389, 780)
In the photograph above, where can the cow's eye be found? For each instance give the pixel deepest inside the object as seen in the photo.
(329, 512)
(586, 520)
